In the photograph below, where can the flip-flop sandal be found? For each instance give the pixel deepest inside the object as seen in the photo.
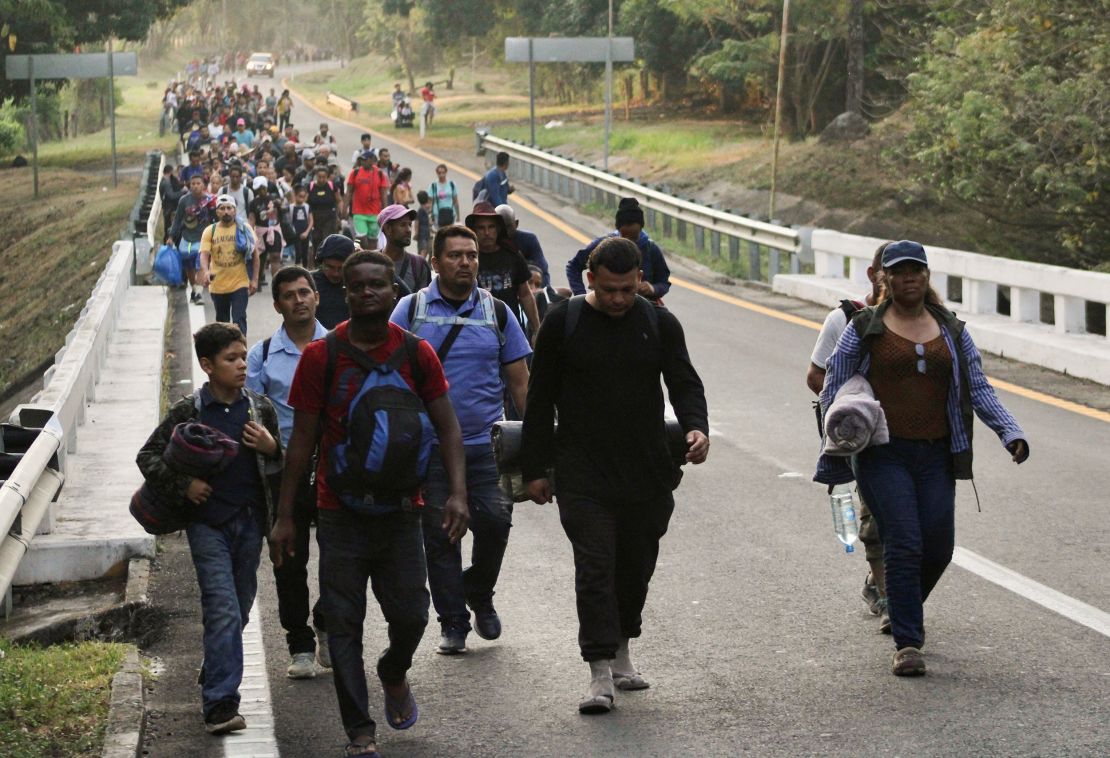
(363, 750)
(394, 709)
(630, 682)
(595, 704)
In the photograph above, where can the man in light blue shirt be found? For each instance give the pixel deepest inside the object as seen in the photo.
(483, 351)
(271, 364)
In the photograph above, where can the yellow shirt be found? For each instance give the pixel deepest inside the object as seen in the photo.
(226, 266)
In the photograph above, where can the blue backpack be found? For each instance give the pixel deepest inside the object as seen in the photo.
(387, 439)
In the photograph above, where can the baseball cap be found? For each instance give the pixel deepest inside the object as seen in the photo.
(394, 212)
(226, 200)
(904, 250)
(367, 155)
(308, 155)
(335, 246)
(260, 181)
(242, 121)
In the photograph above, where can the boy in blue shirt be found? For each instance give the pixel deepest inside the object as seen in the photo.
(230, 512)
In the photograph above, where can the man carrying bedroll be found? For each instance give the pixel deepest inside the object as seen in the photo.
(368, 530)
(479, 343)
(598, 361)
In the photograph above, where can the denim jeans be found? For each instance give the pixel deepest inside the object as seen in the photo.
(615, 546)
(226, 559)
(909, 487)
(291, 579)
(233, 307)
(491, 516)
(388, 551)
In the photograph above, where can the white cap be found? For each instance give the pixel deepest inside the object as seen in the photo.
(226, 200)
(308, 154)
(260, 181)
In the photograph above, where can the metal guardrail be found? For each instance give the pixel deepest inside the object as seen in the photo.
(58, 409)
(584, 184)
(342, 102)
(147, 213)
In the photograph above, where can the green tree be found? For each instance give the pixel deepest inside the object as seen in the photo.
(1011, 118)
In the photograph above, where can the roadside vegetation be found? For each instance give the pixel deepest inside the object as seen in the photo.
(54, 701)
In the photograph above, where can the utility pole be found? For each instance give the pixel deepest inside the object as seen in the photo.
(112, 110)
(778, 102)
(608, 85)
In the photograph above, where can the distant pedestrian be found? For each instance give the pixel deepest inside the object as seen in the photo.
(367, 193)
(228, 265)
(445, 199)
(428, 108)
(328, 276)
(326, 205)
(526, 243)
(195, 213)
(928, 377)
(424, 228)
(630, 225)
(370, 534)
(271, 364)
(412, 271)
(495, 188)
(230, 512)
(598, 364)
(501, 269)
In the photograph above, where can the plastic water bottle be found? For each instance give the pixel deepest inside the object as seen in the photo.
(844, 515)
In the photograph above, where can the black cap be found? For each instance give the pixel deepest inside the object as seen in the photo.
(335, 246)
(629, 212)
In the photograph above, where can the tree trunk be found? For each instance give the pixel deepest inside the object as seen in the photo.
(645, 84)
(853, 96)
(403, 53)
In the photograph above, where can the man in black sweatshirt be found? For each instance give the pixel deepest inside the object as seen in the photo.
(597, 361)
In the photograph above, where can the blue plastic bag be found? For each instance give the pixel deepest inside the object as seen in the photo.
(167, 266)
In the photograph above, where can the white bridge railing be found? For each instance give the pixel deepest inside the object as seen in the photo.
(1047, 315)
(26, 495)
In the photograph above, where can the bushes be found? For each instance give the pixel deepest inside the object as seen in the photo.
(12, 137)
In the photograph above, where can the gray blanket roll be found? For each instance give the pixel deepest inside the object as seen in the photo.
(855, 419)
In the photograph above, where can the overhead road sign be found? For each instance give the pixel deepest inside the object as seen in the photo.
(568, 49)
(607, 50)
(72, 66)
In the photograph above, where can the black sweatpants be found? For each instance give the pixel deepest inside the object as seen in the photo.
(292, 578)
(615, 549)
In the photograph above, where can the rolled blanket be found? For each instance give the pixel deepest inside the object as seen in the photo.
(157, 515)
(855, 419)
(507, 437)
(199, 451)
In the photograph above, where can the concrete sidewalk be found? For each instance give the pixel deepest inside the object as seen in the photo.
(93, 533)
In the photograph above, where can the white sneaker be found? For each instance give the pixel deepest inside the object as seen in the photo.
(302, 667)
(323, 652)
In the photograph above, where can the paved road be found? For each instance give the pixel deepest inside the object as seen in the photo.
(756, 640)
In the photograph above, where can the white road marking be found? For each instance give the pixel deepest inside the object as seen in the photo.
(1058, 602)
(258, 739)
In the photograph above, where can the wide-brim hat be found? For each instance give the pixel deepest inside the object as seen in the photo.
(487, 210)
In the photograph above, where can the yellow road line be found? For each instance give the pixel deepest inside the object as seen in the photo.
(567, 229)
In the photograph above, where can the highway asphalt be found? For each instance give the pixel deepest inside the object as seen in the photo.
(755, 638)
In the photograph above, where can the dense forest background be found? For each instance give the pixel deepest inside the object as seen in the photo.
(1006, 105)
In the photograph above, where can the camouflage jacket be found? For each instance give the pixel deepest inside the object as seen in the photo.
(171, 485)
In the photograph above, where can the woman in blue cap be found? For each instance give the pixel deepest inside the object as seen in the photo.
(928, 377)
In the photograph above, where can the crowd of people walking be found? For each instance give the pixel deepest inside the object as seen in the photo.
(369, 412)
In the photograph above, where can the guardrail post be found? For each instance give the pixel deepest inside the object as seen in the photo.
(773, 264)
(681, 230)
(666, 225)
(754, 262)
(734, 249)
(1025, 304)
(715, 244)
(699, 239)
(980, 296)
(650, 218)
(1071, 314)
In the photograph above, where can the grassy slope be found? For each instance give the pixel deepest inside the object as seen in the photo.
(56, 246)
(54, 701)
(862, 187)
